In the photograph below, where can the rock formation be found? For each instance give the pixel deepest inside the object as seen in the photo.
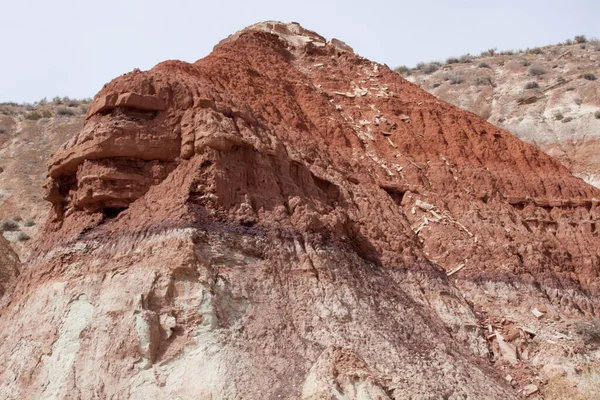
(286, 219)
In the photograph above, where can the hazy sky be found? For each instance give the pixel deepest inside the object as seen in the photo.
(71, 48)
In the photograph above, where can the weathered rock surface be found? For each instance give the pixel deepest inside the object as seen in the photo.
(284, 226)
(547, 96)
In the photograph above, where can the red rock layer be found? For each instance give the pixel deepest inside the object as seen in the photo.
(286, 203)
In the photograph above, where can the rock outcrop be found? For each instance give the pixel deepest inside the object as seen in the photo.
(286, 219)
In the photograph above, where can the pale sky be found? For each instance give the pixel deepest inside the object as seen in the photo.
(71, 48)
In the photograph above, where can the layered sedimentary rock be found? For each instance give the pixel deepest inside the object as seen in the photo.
(286, 219)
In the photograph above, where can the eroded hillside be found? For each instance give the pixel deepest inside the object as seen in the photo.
(548, 96)
(286, 219)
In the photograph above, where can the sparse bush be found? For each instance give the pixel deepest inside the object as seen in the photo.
(29, 223)
(64, 111)
(483, 80)
(57, 100)
(568, 119)
(560, 79)
(570, 88)
(597, 114)
(589, 331)
(73, 103)
(43, 102)
(9, 225)
(508, 52)
(429, 68)
(33, 116)
(580, 39)
(532, 85)
(466, 58)
(568, 42)
(579, 101)
(2, 131)
(17, 218)
(525, 62)
(558, 116)
(589, 76)
(22, 237)
(535, 50)
(536, 71)
(46, 114)
(456, 79)
(489, 52)
(437, 84)
(483, 65)
(452, 60)
(402, 70)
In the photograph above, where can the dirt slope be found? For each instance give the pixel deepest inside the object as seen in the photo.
(29, 135)
(286, 219)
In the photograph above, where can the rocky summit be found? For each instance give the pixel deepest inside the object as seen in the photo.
(286, 219)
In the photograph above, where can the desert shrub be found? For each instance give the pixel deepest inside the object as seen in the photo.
(466, 58)
(452, 60)
(597, 114)
(437, 84)
(429, 68)
(33, 116)
(589, 331)
(568, 119)
(65, 111)
(17, 218)
(532, 85)
(525, 62)
(570, 88)
(456, 79)
(579, 101)
(483, 65)
(57, 100)
(46, 114)
(558, 116)
(22, 237)
(2, 131)
(29, 223)
(580, 39)
(9, 225)
(536, 71)
(489, 52)
(483, 80)
(43, 102)
(535, 50)
(589, 76)
(402, 70)
(73, 103)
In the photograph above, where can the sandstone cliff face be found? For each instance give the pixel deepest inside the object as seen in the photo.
(547, 96)
(285, 219)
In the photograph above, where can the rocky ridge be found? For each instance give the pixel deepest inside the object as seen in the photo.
(284, 218)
